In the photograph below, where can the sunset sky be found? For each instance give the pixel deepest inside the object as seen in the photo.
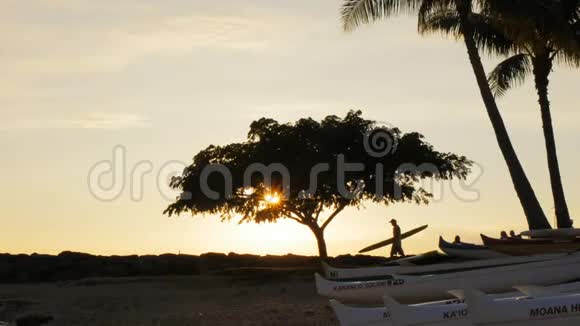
(165, 79)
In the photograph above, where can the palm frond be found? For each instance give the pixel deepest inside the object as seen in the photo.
(519, 20)
(358, 12)
(568, 57)
(486, 35)
(532, 21)
(509, 73)
(445, 21)
(571, 9)
(489, 36)
(429, 7)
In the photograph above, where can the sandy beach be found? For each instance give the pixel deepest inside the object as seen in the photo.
(179, 300)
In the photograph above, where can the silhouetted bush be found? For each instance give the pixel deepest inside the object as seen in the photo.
(73, 265)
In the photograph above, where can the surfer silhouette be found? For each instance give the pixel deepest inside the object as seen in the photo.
(397, 248)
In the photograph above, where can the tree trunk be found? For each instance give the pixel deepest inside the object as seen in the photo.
(542, 68)
(530, 204)
(319, 234)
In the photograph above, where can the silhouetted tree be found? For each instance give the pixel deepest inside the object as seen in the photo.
(304, 172)
(543, 32)
(433, 15)
(533, 34)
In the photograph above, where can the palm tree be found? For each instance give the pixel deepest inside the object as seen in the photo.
(356, 12)
(544, 32)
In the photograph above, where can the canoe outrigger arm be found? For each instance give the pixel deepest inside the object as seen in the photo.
(535, 291)
(459, 294)
(468, 294)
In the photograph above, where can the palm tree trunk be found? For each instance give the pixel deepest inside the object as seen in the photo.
(542, 68)
(530, 204)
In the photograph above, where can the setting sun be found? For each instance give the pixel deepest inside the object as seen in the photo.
(272, 198)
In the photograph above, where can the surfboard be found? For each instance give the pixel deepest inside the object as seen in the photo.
(391, 240)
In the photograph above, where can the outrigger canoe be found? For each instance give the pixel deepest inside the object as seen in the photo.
(555, 310)
(552, 233)
(357, 316)
(360, 316)
(479, 309)
(334, 273)
(416, 289)
(523, 247)
(363, 316)
(449, 315)
(468, 250)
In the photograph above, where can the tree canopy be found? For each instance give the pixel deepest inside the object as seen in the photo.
(300, 171)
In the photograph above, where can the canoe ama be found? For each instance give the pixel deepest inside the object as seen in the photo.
(391, 240)
(552, 233)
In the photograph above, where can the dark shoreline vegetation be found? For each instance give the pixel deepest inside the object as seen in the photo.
(70, 266)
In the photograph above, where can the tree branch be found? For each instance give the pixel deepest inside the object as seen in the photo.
(318, 211)
(332, 216)
(295, 219)
(295, 212)
(298, 218)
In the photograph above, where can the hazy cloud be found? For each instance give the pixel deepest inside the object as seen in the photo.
(89, 121)
(56, 41)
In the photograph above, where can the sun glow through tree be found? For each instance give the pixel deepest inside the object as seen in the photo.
(272, 198)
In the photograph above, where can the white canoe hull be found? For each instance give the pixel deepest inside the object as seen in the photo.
(363, 316)
(449, 315)
(333, 273)
(360, 316)
(556, 310)
(415, 289)
(473, 253)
